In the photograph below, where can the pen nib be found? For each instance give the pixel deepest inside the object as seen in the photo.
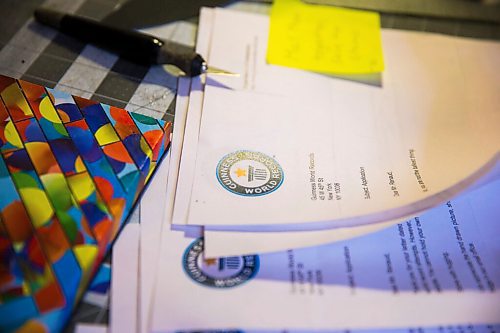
(217, 71)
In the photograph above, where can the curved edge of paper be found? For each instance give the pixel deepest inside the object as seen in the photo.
(488, 172)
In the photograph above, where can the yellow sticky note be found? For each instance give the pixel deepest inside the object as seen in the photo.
(324, 39)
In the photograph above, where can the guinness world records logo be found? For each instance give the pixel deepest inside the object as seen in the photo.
(224, 272)
(249, 173)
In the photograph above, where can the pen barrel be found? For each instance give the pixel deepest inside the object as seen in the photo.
(129, 44)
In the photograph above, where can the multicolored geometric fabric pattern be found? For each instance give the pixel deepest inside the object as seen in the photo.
(70, 172)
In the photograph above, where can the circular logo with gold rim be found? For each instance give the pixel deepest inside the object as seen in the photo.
(249, 173)
(226, 272)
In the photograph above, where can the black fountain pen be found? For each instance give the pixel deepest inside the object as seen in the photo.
(129, 44)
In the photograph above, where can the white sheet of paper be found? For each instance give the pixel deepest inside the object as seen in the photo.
(152, 206)
(192, 128)
(125, 281)
(351, 153)
(438, 269)
(221, 243)
(188, 160)
(181, 107)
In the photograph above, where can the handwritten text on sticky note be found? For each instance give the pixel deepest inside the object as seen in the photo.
(324, 39)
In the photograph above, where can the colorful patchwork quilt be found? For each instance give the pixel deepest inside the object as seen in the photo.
(71, 171)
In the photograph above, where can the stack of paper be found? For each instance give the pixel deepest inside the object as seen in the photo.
(292, 152)
(278, 159)
(434, 273)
